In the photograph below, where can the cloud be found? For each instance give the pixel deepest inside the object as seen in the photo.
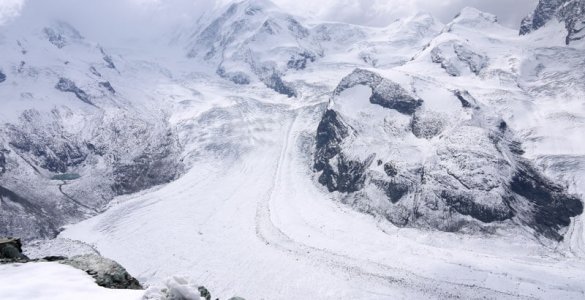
(10, 9)
(109, 19)
(384, 12)
(112, 20)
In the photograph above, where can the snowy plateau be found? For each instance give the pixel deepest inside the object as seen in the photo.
(270, 156)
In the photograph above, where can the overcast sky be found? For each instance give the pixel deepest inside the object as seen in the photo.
(365, 12)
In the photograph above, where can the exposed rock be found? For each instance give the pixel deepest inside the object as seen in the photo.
(474, 61)
(68, 86)
(385, 93)
(390, 169)
(3, 161)
(95, 72)
(299, 61)
(438, 58)
(427, 125)
(107, 59)
(454, 57)
(467, 101)
(106, 85)
(330, 134)
(275, 82)
(11, 250)
(2, 77)
(235, 77)
(107, 273)
(61, 34)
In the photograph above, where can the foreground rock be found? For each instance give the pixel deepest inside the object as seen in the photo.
(106, 272)
(11, 250)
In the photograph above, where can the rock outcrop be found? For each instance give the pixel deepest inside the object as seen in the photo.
(569, 12)
(429, 171)
(11, 250)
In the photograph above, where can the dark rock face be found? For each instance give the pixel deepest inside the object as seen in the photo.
(390, 169)
(275, 82)
(467, 101)
(11, 250)
(464, 204)
(330, 134)
(95, 72)
(400, 102)
(2, 161)
(347, 175)
(571, 12)
(107, 59)
(299, 61)
(553, 206)
(453, 57)
(107, 273)
(2, 77)
(108, 86)
(235, 77)
(68, 86)
(385, 93)
(395, 189)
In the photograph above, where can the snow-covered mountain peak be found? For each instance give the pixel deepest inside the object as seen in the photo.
(569, 12)
(470, 17)
(61, 34)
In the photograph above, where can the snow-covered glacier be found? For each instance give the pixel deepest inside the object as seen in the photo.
(274, 157)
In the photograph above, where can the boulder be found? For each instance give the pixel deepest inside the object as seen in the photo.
(11, 250)
(106, 272)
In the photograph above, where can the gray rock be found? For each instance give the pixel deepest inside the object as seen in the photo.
(107, 273)
(11, 250)
(276, 83)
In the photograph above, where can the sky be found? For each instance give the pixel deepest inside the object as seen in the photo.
(363, 12)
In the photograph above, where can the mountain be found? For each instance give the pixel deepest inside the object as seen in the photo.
(275, 157)
(256, 41)
(569, 12)
(73, 134)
